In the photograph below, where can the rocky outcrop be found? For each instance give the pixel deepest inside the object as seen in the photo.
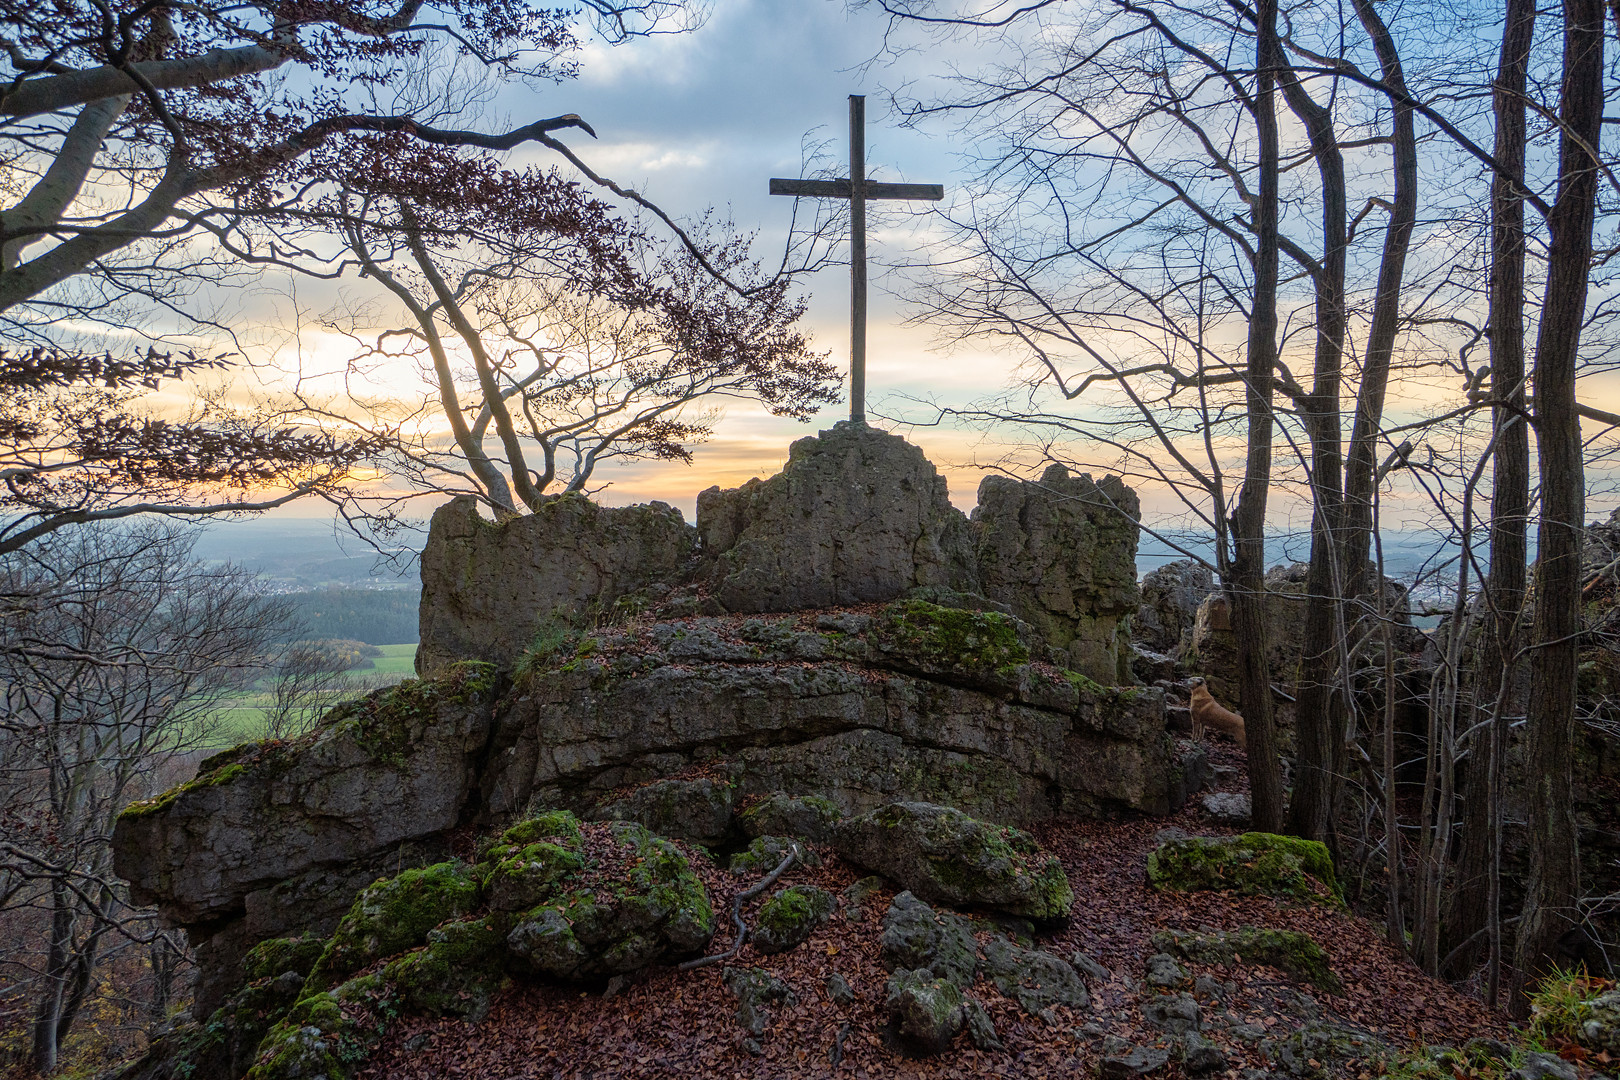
(488, 588)
(910, 702)
(1061, 553)
(856, 515)
(1171, 596)
(666, 723)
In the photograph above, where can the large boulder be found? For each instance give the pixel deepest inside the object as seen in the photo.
(856, 515)
(940, 853)
(1061, 553)
(488, 588)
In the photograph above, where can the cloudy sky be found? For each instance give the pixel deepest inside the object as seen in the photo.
(703, 120)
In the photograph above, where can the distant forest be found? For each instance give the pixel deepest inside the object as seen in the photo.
(374, 616)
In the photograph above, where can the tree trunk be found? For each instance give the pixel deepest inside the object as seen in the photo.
(1249, 520)
(1553, 883)
(1475, 908)
(1318, 719)
(1361, 466)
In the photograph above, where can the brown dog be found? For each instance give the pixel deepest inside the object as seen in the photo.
(1207, 713)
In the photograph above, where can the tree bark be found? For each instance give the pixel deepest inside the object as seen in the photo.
(1554, 879)
(1319, 716)
(1475, 906)
(1249, 520)
(1362, 463)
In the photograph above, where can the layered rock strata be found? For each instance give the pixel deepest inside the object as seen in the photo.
(908, 701)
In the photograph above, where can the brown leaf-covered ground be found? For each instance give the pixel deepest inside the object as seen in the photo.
(671, 1024)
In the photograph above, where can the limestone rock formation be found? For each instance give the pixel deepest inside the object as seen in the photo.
(857, 515)
(487, 588)
(968, 664)
(1171, 596)
(1061, 552)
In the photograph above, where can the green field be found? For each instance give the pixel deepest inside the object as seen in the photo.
(242, 720)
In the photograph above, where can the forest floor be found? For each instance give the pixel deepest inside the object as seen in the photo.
(671, 1024)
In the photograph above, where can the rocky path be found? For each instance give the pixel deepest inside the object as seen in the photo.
(671, 1024)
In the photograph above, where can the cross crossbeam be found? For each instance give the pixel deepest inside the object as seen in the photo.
(857, 189)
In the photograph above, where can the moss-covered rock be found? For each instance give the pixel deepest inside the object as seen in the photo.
(393, 915)
(943, 854)
(1290, 951)
(804, 817)
(637, 904)
(1035, 979)
(276, 956)
(455, 973)
(1253, 864)
(925, 1012)
(327, 1033)
(934, 636)
(788, 918)
(765, 853)
(755, 988)
(1319, 1050)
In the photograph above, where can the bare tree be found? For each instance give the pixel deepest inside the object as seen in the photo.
(116, 649)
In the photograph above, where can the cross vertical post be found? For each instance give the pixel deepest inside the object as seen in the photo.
(857, 258)
(857, 189)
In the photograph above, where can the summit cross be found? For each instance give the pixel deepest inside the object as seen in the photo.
(857, 189)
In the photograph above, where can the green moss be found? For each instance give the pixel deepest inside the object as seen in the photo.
(1084, 683)
(455, 973)
(1252, 864)
(223, 774)
(974, 639)
(765, 853)
(1296, 953)
(394, 915)
(277, 956)
(788, 918)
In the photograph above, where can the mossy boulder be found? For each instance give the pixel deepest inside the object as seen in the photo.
(1253, 864)
(456, 973)
(634, 902)
(1320, 1050)
(803, 817)
(765, 853)
(326, 1034)
(942, 854)
(788, 918)
(393, 915)
(925, 1012)
(1290, 951)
